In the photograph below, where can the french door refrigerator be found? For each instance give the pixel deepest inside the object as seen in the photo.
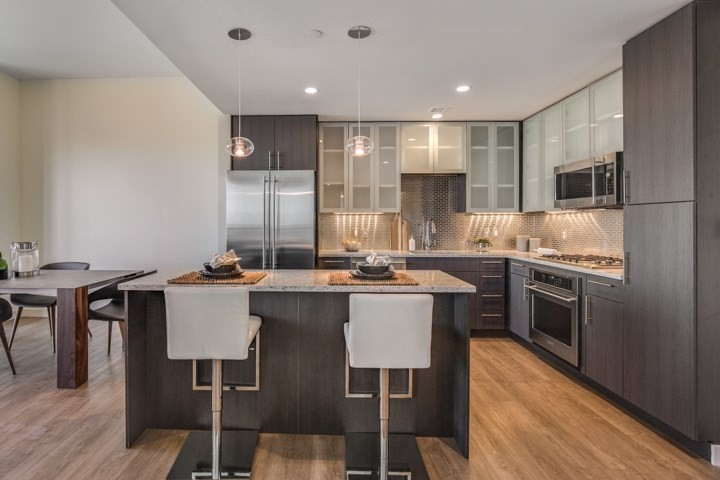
(270, 218)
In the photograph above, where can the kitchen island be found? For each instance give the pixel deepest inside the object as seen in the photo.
(302, 369)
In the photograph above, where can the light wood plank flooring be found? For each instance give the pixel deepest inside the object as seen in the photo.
(528, 422)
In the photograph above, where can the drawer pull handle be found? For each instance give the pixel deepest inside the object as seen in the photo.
(490, 315)
(334, 261)
(601, 283)
(492, 296)
(518, 264)
(492, 276)
(496, 263)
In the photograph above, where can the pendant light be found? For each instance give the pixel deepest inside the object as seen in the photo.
(239, 147)
(359, 145)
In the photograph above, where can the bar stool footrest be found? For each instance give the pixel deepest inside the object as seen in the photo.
(362, 457)
(195, 458)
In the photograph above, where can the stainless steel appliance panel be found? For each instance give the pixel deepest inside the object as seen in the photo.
(292, 226)
(247, 216)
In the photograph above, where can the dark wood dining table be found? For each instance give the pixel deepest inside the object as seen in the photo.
(71, 288)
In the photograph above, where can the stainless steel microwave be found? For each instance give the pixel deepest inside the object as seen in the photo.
(593, 183)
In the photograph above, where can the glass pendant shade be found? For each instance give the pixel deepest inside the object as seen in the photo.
(240, 147)
(359, 146)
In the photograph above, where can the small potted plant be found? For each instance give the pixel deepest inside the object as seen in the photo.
(3, 268)
(482, 244)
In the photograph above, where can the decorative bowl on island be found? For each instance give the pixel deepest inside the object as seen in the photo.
(373, 269)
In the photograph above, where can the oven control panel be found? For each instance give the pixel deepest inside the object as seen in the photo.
(557, 281)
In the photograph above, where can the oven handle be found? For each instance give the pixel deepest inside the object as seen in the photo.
(545, 292)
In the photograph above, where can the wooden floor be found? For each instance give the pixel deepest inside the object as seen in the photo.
(528, 422)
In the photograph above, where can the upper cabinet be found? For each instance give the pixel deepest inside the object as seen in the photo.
(433, 148)
(493, 175)
(359, 184)
(281, 142)
(576, 110)
(584, 125)
(606, 97)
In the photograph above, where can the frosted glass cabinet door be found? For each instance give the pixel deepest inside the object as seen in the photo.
(361, 173)
(507, 157)
(552, 152)
(333, 173)
(450, 148)
(607, 108)
(532, 162)
(577, 126)
(417, 148)
(387, 181)
(479, 189)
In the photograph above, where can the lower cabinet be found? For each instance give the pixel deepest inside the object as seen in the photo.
(519, 304)
(604, 342)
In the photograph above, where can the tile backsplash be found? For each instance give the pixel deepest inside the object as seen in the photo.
(434, 197)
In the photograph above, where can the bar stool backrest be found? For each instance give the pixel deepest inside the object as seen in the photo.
(390, 330)
(207, 323)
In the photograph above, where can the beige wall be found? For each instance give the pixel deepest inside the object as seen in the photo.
(121, 173)
(9, 163)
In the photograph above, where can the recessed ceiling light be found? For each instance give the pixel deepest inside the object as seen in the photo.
(619, 115)
(437, 115)
(462, 88)
(311, 90)
(411, 139)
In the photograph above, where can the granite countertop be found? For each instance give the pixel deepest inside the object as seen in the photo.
(431, 281)
(530, 257)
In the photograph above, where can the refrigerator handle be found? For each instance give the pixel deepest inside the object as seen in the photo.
(274, 222)
(265, 184)
(277, 154)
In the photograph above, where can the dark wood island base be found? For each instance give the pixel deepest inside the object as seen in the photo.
(302, 373)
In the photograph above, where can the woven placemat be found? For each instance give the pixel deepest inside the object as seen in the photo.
(399, 280)
(248, 278)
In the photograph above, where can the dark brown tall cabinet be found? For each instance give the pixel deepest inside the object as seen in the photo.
(671, 335)
(281, 142)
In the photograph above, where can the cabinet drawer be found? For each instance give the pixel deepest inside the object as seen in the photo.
(491, 281)
(444, 264)
(491, 301)
(334, 263)
(491, 265)
(490, 321)
(519, 268)
(607, 288)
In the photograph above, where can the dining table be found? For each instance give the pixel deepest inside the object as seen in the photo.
(71, 288)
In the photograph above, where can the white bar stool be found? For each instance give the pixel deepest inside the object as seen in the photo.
(387, 331)
(212, 323)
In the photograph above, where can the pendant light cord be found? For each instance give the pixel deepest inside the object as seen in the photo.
(358, 79)
(239, 86)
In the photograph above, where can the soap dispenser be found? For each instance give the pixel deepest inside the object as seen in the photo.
(411, 244)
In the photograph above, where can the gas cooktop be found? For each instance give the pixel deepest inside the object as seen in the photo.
(587, 261)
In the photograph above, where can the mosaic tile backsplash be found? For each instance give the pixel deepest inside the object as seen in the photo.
(435, 198)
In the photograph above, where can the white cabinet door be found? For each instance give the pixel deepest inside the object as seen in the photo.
(417, 148)
(577, 126)
(449, 147)
(532, 184)
(607, 114)
(333, 167)
(506, 163)
(361, 173)
(387, 178)
(552, 132)
(479, 189)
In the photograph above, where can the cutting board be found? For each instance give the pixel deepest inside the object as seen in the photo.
(399, 233)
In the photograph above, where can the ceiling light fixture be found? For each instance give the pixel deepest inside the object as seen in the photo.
(359, 145)
(311, 90)
(462, 88)
(239, 147)
(619, 115)
(437, 115)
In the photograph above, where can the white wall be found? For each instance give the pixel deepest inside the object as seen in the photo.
(121, 173)
(9, 163)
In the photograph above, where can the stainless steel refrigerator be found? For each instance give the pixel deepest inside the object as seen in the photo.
(270, 218)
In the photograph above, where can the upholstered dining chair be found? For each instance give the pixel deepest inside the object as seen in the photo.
(28, 300)
(5, 315)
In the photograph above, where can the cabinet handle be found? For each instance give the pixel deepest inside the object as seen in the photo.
(492, 296)
(277, 155)
(626, 269)
(491, 315)
(491, 276)
(526, 289)
(501, 261)
(518, 264)
(626, 187)
(601, 283)
(333, 261)
(587, 310)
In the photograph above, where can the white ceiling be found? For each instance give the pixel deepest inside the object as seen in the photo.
(518, 55)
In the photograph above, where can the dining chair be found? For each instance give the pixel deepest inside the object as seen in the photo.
(5, 315)
(29, 300)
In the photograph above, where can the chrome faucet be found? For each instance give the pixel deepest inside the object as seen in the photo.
(429, 234)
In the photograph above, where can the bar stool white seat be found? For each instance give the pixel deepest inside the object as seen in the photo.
(215, 324)
(387, 331)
